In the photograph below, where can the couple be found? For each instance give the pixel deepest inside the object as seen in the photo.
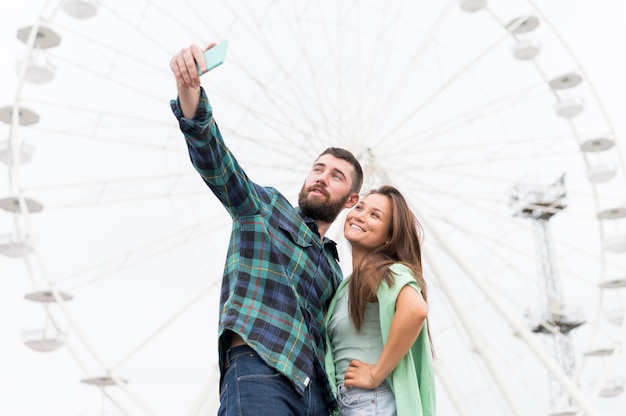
(294, 338)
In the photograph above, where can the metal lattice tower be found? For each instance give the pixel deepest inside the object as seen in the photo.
(541, 204)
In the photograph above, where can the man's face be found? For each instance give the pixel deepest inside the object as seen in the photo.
(326, 190)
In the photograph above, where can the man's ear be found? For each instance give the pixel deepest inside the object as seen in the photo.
(352, 201)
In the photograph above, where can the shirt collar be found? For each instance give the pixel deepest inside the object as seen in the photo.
(326, 242)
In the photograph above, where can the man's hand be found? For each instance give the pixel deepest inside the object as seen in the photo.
(183, 66)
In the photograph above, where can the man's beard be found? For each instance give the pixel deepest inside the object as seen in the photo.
(320, 209)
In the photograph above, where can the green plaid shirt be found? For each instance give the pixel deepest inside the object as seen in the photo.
(279, 275)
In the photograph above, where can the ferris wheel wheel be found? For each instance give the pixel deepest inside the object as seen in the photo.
(478, 112)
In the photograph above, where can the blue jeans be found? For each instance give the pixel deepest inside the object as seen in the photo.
(252, 388)
(355, 401)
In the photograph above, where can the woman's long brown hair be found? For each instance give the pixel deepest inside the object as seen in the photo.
(403, 246)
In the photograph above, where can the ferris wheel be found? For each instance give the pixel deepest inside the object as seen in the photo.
(479, 112)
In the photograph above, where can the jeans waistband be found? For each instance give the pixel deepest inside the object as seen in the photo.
(234, 352)
(384, 387)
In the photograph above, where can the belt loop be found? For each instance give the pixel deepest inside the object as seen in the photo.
(227, 358)
(234, 352)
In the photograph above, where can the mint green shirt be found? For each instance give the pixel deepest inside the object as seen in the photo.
(413, 380)
(349, 344)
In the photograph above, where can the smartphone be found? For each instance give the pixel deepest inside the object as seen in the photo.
(214, 57)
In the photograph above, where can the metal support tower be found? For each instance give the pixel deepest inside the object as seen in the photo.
(541, 204)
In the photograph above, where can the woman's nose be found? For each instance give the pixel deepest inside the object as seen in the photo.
(358, 216)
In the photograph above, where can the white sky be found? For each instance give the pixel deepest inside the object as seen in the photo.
(595, 29)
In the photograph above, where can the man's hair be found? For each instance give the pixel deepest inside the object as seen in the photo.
(339, 153)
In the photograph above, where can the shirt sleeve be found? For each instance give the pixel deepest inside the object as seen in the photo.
(215, 163)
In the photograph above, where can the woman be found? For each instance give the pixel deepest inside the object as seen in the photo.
(379, 353)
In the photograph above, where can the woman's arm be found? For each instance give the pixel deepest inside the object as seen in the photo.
(408, 321)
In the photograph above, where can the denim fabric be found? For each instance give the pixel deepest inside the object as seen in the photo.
(355, 401)
(252, 388)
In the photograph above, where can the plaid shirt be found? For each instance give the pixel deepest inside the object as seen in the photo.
(279, 275)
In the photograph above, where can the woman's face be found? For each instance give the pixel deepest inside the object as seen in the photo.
(367, 225)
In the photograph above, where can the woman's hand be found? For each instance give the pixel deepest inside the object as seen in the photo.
(363, 375)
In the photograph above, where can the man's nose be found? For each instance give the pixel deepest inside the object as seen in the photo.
(322, 179)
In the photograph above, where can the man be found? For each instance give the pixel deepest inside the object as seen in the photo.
(281, 271)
